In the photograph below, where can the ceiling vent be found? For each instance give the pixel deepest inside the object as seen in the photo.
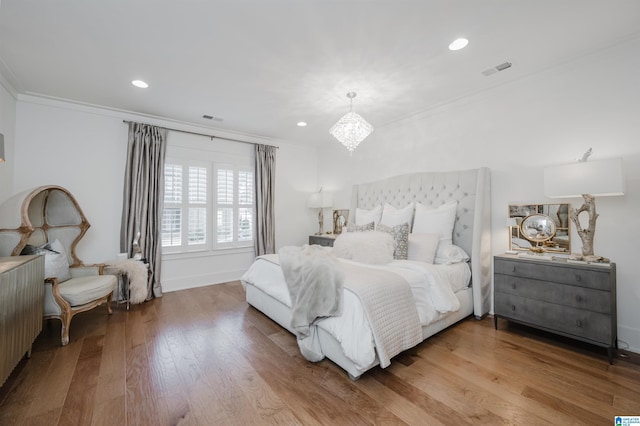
(211, 117)
(497, 68)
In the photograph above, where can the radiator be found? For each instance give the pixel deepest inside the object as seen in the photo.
(21, 307)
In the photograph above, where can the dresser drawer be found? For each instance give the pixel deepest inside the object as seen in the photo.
(592, 326)
(564, 274)
(321, 240)
(560, 294)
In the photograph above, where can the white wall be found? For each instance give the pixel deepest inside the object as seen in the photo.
(7, 128)
(84, 150)
(517, 130)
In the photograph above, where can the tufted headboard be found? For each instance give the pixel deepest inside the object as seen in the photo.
(472, 229)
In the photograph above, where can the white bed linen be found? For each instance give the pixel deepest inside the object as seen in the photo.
(431, 286)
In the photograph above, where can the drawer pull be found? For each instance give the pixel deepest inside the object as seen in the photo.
(514, 269)
(578, 278)
(513, 307)
(579, 298)
(513, 286)
(579, 323)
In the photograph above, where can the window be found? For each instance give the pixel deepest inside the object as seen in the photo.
(192, 195)
(234, 205)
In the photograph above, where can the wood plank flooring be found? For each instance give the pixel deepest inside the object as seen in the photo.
(204, 357)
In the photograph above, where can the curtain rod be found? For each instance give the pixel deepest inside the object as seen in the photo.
(212, 137)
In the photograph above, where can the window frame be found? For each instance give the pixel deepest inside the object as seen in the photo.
(211, 245)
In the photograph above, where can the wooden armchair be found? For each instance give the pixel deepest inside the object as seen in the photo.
(86, 289)
(49, 220)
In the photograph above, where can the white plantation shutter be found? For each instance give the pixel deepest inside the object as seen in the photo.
(197, 197)
(172, 215)
(172, 183)
(171, 227)
(199, 203)
(245, 224)
(224, 226)
(197, 185)
(245, 205)
(225, 187)
(245, 187)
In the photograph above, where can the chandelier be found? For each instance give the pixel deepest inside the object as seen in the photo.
(351, 129)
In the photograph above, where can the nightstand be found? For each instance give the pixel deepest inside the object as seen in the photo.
(568, 299)
(325, 240)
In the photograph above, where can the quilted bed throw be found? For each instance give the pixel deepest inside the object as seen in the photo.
(314, 278)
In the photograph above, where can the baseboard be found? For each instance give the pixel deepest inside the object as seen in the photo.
(629, 339)
(632, 357)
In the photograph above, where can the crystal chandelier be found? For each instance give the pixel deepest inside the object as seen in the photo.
(351, 129)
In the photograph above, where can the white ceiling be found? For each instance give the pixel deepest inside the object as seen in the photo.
(264, 65)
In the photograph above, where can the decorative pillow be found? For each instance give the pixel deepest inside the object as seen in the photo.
(365, 216)
(400, 234)
(371, 247)
(436, 221)
(360, 228)
(449, 253)
(31, 250)
(423, 247)
(392, 216)
(56, 262)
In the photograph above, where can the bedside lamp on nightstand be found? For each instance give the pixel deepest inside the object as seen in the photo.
(320, 200)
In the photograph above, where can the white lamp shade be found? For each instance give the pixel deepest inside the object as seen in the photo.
(599, 178)
(320, 200)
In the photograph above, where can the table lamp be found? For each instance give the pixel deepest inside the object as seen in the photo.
(587, 179)
(320, 200)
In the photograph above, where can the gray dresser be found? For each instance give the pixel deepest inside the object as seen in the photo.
(572, 300)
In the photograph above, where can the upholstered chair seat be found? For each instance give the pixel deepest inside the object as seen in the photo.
(79, 291)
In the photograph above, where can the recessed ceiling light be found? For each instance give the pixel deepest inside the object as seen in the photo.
(302, 123)
(458, 44)
(139, 83)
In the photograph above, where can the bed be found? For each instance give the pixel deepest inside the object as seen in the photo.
(470, 189)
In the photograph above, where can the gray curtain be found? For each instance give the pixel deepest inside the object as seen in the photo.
(143, 197)
(265, 185)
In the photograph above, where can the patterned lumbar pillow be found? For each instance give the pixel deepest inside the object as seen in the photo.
(400, 234)
(360, 228)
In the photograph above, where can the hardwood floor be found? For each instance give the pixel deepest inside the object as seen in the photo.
(204, 357)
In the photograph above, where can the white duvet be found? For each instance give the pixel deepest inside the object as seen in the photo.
(433, 288)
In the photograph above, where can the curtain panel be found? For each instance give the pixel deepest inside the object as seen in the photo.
(265, 172)
(143, 198)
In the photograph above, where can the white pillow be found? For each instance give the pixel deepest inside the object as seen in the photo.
(56, 262)
(365, 216)
(449, 253)
(423, 247)
(436, 221)
(370, 247)
(392, 216)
